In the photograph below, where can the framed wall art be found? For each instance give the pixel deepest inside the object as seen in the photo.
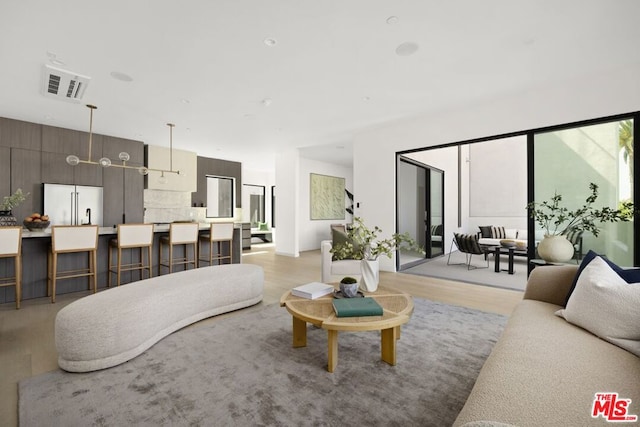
(327, 197)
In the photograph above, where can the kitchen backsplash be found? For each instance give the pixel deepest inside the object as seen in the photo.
(169, 206)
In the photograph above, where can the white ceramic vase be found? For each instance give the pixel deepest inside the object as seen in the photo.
(555, 249)
(370, 270)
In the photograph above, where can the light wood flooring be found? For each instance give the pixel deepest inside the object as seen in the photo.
(27, 335)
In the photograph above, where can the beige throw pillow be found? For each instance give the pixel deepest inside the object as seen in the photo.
(605, 305)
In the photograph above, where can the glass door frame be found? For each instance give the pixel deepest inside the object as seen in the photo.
(531, 224)
(427, 169)
(529, 133)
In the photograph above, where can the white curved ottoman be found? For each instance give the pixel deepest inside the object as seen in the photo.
(108, 328)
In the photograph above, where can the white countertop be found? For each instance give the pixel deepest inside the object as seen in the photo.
(157, 228)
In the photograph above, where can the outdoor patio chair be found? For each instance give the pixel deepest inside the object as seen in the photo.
(467, 244)
(575, 237)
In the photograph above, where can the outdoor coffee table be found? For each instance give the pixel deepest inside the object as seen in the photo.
(511, 252)
(397, 306)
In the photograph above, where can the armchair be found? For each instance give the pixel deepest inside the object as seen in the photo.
(467, 244)
(331, 268)
(575, 237)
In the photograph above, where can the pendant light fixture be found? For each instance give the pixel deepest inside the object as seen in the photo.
(124, 157)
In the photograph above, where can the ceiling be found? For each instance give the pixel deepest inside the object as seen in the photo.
(244, 80)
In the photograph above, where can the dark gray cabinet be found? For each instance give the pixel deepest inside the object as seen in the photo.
(5, 172)
(66, 141)
(33, 154)
(113, 146)
(217, 167)
(18, 134)
(58, 143)
(55, 169)
(25, 174)
(123, 188)
(123, 193)
(246, 235)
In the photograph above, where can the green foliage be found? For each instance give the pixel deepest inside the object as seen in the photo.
(10, 202)
(557, 219)
(363, 243)
(348, 280)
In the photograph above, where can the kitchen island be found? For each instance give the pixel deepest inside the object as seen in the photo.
(35, 247)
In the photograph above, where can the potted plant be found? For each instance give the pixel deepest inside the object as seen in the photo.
(558, 221)
(349, 287)
(8, 203)
(363, 244)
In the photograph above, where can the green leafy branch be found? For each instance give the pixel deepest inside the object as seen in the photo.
(556, 219)
(363, 243)
(10, 202)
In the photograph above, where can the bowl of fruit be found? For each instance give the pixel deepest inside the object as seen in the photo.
(36, 222)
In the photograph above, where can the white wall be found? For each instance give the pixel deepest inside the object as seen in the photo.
(296, 231)
(312, 232)
(600, 95)
(287, 189)
(498, 183)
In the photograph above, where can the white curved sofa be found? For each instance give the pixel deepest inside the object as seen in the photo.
(108, 328)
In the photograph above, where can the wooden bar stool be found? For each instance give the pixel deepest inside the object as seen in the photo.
(219, 232)
(185, 234)
(11, 247)
(68, 239)
(130, 236)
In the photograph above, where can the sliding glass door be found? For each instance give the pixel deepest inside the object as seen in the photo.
(567, 161)
(420, 209)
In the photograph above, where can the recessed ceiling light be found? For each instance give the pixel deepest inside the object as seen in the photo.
(121, 76)
(270, 42)
(392, 20)
(406, 49)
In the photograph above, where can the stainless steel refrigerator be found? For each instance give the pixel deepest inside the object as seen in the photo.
(73, 204)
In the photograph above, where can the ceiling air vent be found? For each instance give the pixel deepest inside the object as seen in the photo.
(65, 85)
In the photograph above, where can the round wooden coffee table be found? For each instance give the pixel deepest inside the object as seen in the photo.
(397, 306)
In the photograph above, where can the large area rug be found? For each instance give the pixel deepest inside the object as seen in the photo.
(437, 267)
(242, 370)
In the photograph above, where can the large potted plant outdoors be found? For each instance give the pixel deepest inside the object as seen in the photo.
(363, 244)
(558, 221)
(8, 203)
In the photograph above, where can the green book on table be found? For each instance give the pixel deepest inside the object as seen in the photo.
(356, 307)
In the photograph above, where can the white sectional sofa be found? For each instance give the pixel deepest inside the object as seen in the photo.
(500, 233)
(545, 371)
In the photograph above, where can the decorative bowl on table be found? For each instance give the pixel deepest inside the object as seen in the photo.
(521, 245)
(36, 222)
(36, 226)
(508, 243)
